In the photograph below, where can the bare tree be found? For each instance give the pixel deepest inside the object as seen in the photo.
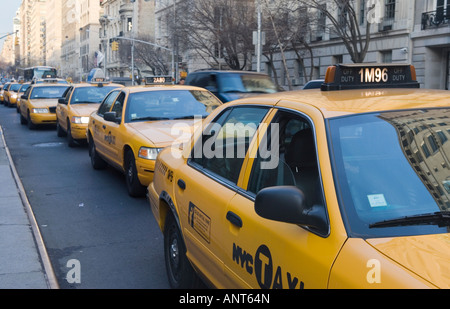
(285, 30)
(345, 24)
(219, 30)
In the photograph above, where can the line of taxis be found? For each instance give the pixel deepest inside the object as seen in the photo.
(347, 186)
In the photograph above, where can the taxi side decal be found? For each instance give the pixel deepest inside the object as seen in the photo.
(110, 139)
(262, 264)
(199, 221)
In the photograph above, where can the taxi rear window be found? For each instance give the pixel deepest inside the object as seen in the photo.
(47, 92)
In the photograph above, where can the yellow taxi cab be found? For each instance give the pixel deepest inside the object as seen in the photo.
(74, 108)
(38, 104)
(20, 93)
(1, 92)
(134, 123)
(10, 94)
(347, 186)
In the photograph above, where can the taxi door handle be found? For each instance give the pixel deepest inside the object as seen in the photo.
(181, 184)
(104, 127)
(234, 219)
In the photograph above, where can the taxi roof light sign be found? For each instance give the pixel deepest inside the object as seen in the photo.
(364, 76)
(158, 80)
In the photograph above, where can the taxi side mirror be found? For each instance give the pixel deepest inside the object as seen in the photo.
(24, 97)
(287, 204)
(111, 116)
(62, 101)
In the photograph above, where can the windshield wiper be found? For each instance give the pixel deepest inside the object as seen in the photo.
(150, 118)
(189, 117)
(440, 218)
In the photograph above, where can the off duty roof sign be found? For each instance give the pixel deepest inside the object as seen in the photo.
(363, 76)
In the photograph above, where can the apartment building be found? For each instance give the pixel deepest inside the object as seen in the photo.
(411, 31)
(53, 34)
(32, 32)
(430, 40)
(123, 21)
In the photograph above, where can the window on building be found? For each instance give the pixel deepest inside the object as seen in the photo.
(386, 56)
(389, 9)
(362, 12)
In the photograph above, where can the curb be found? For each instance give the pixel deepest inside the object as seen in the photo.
(48, 269)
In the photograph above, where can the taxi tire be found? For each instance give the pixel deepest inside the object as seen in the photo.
(180, 273)
(134, 186)
(96, 161)
(23, 120)
(59, 131)
(70, 140)
(30, 124)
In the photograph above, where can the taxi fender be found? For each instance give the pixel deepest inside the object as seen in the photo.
(165, 197)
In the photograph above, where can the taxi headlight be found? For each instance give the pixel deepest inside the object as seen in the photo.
(80, 120)
(149, 153)
(39, 110)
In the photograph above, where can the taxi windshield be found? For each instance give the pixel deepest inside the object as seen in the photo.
(169, 104)
(391, 167)
(24, 88)
(15, 87)
(254, 83)
(87, 95)
(50, 92)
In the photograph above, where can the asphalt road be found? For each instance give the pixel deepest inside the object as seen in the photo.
(85, 215)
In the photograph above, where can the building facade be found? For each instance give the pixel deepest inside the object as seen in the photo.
(401, 31)
(123, 21)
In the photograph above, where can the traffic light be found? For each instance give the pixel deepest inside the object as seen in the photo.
(115, 46)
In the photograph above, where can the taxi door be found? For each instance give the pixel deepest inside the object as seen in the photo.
(99, 124)
(62, 109)
(263, 253)
(113, 132)
(205, 186)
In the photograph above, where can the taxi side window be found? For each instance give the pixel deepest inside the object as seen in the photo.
(107, 103)
(226, 140)
(296, 161)
(27, 92)
(66, 94)
(118, 105)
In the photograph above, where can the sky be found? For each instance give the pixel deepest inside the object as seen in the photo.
(8, 12)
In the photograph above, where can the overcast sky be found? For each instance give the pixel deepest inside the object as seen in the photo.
(8, 12)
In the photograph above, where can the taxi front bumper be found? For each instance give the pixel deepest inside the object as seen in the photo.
(145, 169)
(78, 131)
(43, 118)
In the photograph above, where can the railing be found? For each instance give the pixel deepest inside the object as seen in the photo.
(436, 18)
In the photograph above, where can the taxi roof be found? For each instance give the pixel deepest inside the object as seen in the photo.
(144, 88)
(50, 85)
(93, 84)
(343, 102)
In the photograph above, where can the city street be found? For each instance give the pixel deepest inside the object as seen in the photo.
(85, 215)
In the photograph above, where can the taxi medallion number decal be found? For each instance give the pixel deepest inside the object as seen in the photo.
(199, 221)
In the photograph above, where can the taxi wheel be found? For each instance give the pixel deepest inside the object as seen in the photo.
(23, 120)
(179, 270)
(59, 131)
(96, 161)
(134, 186)
(70, 140)
(30, 124)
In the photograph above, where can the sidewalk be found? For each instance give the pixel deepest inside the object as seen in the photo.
(24, 263)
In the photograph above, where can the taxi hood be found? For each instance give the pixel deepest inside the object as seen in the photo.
(428, 256)
(38, 103)
(163, 133)
(85, 109)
